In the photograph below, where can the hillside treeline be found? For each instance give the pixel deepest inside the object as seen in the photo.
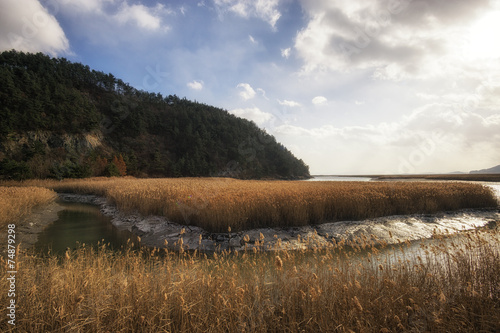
(61, 119)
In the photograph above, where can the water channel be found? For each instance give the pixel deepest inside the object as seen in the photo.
(78, 224)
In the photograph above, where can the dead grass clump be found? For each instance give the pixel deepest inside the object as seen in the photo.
(16, 202)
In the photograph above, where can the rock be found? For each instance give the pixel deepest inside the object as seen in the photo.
(235, 242)
(220, 238)
(137, 231)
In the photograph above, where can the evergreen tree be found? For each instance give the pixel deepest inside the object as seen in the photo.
(158, 136)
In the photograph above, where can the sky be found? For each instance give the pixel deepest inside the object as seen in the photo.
(350, 87)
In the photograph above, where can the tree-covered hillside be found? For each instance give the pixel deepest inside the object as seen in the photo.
(61, 119)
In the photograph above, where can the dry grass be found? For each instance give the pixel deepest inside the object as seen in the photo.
(16, 202)
(453, 286)
(218, 203)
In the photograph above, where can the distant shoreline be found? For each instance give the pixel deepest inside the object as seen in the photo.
(491, 177)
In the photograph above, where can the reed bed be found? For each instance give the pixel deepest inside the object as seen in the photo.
(216, 204)
(451, 286)
(16, 202)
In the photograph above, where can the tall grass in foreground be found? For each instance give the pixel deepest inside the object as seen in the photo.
(16, 202)
(218, 203)
(453, 286)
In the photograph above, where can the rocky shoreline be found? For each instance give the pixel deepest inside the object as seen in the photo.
(158, 231)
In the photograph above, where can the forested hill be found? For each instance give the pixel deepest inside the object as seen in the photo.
(61, 119)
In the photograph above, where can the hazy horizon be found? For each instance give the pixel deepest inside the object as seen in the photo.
(352, 88)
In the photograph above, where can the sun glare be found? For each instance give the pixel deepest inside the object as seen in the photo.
(482, 38)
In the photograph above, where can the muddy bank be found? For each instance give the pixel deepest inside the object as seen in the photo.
(157, 231)
(28, 227)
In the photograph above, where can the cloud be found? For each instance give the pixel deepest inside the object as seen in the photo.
(265, 10)
(148, 18)
(285, 53)
(466, 127)
(253, 114)
(247, 91)
(441, 136)
(252, 40)
(109, 13)
(87, 6)
(289, 103)
(381, 134)
(487, 97)
(393, 39)
(28, 26)
(318, 100)
(484, 99)
(263, 93)
(195, 85)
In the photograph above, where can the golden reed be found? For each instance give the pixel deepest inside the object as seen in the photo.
(16, 202)
(217, 204)
(455, 288)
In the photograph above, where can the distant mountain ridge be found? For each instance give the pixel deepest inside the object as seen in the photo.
(60, 119)
(495, 169)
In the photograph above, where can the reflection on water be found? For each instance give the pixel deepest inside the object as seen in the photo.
(80, 223)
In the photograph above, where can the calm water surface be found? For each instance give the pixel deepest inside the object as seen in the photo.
(80, 223)
(339, 179)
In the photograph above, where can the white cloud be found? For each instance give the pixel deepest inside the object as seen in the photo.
(88, 6)
(292, 130)
(442, 136)
(253, 114)
(247, 91)
(289, 103)
(318, 100)
(195, 85)
(28, 26)
(107, 13)
(394, 39)
(487, 97)
(262, 92)
(266, 10)
(285, 53)
(467, 127)
(148, 18)
(252, 40)
(381, 134)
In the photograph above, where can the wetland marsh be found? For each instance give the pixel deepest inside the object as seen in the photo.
(359, 283)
